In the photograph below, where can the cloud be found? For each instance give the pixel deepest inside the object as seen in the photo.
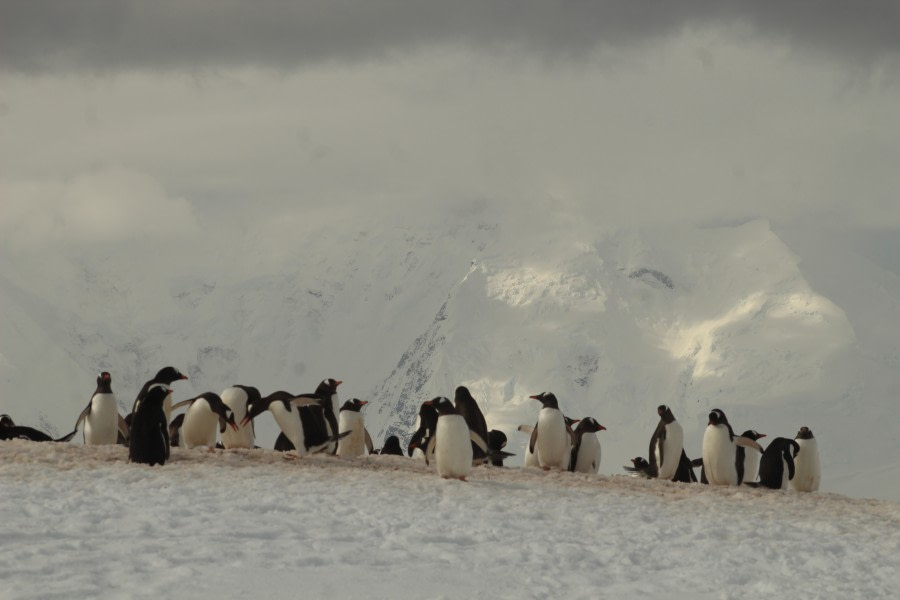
(111, 205)
(112, 35)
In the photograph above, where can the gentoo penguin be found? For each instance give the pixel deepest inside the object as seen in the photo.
(641, 467)
(586, 447)
(496, 443)
(807, 472)
(392, 446)
(164, 377)
(285, 407)
(350, 419)
(468, 408)
(750, 456)
(453, 441)
(776, 467)
(666, 444)
(319, 424)
(550, 439)
(102, 422)
(421, 439)
(10, 431)
(203, 414)
(720, 464)
(237, 398)
(149, 442)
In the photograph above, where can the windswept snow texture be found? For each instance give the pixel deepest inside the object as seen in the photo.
(79, 522)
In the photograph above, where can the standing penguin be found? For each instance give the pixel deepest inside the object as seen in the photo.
(164, 377)
(468, 408)
(102, 421)
(421, 439)
(358, 441)
(666, 444)
(238, 398)
(586, 447)
(750, 456)
(453, 441)
(319, 422)
(720, 465)
(203, 414)
(550, 438)
(149, 442)
(776, 467)
(808, 473)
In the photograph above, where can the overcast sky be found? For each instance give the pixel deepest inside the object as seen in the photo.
(122, 118)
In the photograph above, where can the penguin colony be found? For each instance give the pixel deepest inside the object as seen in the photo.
(453, 435)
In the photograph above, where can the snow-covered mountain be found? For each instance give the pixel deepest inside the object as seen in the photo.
(776, 327)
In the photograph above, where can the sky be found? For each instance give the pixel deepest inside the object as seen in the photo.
(127, 119)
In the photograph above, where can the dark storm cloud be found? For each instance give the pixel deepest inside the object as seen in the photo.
(48, 35)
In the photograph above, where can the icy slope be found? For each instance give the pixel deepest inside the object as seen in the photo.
(404, 308)
(211, 525)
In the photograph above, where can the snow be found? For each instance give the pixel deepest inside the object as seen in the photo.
(79, 521)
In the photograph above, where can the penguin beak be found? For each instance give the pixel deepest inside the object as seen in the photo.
(244, 421)
(761, 436)
(602, 428)
(535, 397)
(363, 402)
(338, 382)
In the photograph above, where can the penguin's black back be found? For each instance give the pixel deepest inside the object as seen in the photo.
(149, 431)
(772, 463)
(392, 446)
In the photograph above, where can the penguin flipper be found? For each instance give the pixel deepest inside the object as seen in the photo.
(182, 403)
(533, 441)
(69, 436)
(747, 443)
(429, 448)
(479, 441)
(84, 414)
(124, 431)
(526, 428)
(324, 445)
(790, 463)
(305, 401)
(369, 445)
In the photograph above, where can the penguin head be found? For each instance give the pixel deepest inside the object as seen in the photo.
(392, 446)
(226, 419)
(443, 406)
(104, 377)
(717, 417)
(753, 435)
(805, 433)
(328, 386)
(169, 374)
(6, 421)
(589, 425)
(547, 399)
(496, 439)
(640, 463)
(258, 406)
(354, 405)
(665, 413)
(462, 392)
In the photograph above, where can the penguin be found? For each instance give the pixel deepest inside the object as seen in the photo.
(468, 408)
(641, 467)
(807, 472)
(720, 465)
(391, 446)
(175, 431)
(685, 472)
(496, 443)
(102, 422)
(453, 441)
(285, 407)
(550, 438)
(750, 456)
(149, 441)
(776, 467)
(319, 423)
(200, 419)
(237, 398)
(164, 377)
(10, 431)
(421, 439)
(350, 419)
(666, 444)
(586, 447)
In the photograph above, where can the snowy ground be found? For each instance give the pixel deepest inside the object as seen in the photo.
(79, 522)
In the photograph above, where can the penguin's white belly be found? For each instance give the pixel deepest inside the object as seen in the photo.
(453, 447)
(588, 459)
(354, 444)
(552, 439)
(719, 456)
(671, 451)
(101, 426)
(236, 399)
(290, 425)
(807, 470)
(751, 464)
(531, 459)
(199, 427)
